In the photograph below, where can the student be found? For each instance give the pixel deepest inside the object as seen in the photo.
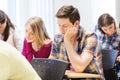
(13, 65)
(37, 43)
(110, 37)
(75, 45)
(8, 32)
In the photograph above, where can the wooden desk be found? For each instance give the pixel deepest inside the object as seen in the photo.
(71, 74)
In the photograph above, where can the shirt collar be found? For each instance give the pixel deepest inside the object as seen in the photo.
(80, 33)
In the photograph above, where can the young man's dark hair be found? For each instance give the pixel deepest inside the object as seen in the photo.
(69, 12)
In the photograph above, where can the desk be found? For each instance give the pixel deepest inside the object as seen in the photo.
(71, 74)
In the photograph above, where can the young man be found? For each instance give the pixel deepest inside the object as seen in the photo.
(74, 44)
(13, 66)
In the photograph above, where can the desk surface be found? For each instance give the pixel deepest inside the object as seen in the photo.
(71, 74)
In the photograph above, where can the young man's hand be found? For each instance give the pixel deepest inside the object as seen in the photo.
(71, 33)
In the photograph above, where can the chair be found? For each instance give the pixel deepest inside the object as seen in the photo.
(108, 60)
(49, 69)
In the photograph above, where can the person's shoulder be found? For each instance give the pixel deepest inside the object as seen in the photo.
(7, 49)
(48, 41)
(118, 30)
(118, 35)
(89, 33)
(86, 33)
(58, 37)
(84, 30)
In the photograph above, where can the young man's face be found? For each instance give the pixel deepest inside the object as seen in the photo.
(64, 24)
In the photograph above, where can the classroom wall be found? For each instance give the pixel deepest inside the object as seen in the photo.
(20, 10)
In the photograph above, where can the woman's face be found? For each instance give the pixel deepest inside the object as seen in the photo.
(29, 34)
(109, 30)
(2, 27)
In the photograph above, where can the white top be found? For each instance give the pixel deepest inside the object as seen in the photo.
(15, 39)
(13, 65)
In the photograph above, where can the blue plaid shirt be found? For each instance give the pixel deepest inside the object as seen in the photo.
(112, 42)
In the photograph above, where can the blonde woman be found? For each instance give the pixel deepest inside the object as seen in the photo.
(37, 42)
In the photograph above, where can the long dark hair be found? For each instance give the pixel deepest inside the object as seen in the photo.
(4, 18)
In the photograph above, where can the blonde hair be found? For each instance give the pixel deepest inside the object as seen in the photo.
(38, 28)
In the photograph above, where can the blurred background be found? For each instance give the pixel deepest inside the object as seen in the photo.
(20, 10)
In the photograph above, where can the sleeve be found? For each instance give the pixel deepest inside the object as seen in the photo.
(26, 51)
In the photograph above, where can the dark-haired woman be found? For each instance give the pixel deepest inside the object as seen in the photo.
(8, 32)
(110, 37)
